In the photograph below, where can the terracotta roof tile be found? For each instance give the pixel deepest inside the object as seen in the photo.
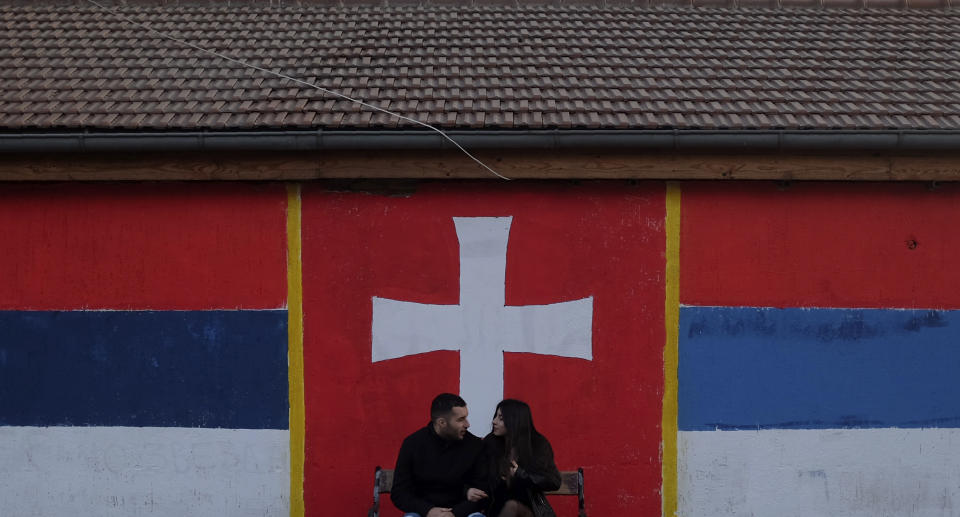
(639, 65)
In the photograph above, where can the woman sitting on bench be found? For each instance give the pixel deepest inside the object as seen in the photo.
(520, 464)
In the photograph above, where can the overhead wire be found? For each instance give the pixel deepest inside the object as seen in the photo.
(298, 81)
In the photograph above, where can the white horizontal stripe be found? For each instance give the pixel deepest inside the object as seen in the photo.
(820, 472)
(133, 471)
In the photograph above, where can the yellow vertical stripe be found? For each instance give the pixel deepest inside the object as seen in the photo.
(670, 354)
(295, 348)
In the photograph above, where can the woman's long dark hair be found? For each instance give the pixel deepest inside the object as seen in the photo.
(521, 433)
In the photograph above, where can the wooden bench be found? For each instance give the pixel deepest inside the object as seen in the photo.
(571, 483)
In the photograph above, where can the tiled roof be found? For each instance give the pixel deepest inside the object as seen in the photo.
(547, 66)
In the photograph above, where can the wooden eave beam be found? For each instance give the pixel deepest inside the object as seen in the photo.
(514, 164)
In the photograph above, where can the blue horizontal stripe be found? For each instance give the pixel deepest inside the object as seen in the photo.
(751, 368)
(219, 369)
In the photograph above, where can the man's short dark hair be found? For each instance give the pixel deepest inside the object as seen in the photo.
(443, 405)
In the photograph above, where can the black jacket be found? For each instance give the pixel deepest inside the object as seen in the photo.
(432, 471)
(529, 482)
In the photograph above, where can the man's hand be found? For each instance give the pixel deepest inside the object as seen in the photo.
(513, 468)
(436, 511)
(475, 494)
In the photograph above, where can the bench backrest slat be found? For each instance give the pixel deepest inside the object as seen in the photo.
(569, 482)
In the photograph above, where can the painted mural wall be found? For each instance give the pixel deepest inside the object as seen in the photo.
(819, 350)
(143, 350)
(552, 293)
(151, 363)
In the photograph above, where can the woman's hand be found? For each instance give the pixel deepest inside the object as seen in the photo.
(513, 467)
(475, 494)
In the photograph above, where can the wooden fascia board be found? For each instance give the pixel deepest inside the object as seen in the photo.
(300, 166)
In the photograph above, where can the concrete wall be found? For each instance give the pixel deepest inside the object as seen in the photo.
(144, 368)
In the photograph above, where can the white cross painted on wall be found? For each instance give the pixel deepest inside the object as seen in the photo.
(482, 327)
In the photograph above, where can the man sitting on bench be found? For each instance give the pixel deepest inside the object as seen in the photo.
(439, 471)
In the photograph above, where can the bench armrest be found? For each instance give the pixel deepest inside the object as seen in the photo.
(375, 509)
(582, 511)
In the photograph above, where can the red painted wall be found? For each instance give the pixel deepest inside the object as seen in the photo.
(566, 242)
(890, 245)
(142, 246)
